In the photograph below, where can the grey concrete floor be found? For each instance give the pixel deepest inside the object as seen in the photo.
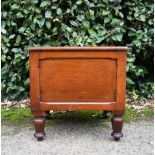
(79, 138)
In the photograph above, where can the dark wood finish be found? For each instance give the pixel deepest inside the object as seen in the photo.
(39, 124)
(117, 124)
(77, 78)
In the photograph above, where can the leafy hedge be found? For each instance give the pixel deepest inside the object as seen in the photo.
(76, 23)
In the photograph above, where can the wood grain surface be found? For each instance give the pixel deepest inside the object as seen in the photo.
(78, 80)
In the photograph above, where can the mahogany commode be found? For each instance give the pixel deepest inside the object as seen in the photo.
(77, 78)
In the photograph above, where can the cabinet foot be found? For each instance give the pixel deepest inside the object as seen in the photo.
(117, 125)
(39, 124)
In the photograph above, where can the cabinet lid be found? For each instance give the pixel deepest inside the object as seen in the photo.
(72, 48)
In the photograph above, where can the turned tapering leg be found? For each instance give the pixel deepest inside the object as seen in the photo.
(39, 124)
(106, 114)
(47, 114)
(117, 125)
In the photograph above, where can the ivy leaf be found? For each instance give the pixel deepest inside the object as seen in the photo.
(18, 40)
(48, 24)
(21, 88)
(80, 17)
(14, 6)
(69, 29)
(3, 58)
(79, 2)
(4, 14)
(12, 36)
(34, 1)
(119, 37)
(92, 32)
(115, 21)
(129, 81)
(99, 40)
(107, 20)
(104, 13)
(3, 30)
(22, 29)
(129, 17)
(86, 24)
(74, 34)
(48, 14)
(142, 18)
(19, 15)
(73, 23)
(27, 82)
(44, 3)
(59, 11)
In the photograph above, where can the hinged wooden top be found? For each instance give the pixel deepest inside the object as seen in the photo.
(69, 48)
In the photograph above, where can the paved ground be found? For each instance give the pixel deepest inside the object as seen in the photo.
(79, 138)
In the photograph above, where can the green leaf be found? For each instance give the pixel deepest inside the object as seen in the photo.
(3, 30)
(59, 11)
(13, 78)
(18, 40)
(14, 6)
(41, 22)
(86, 24)
(119, 37)
(69, 29)
(34, 1)
(12, 36)
(92, 32)
(4, 14)
(115, 21)
(79, 40)
(79, 2)
(129, 17)
(99, 40)
(21, 88)
(73, 23)
(114, 38)
(15, 50)
(91, 12)
(19, 15)
(105, 12)
(22, 29)
(44, 3)
(92, 5)
(129, 81)
(27, 82)
(48, 24)
(48, 14)
(74, 34)
(107, 20)
(80, 17)
(142, 18)
(3, 58)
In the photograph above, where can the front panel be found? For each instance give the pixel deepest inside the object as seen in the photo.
(77, 80)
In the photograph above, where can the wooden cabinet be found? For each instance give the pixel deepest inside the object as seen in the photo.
(77, 78)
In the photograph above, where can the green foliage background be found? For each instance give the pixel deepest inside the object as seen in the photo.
(76, 23)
